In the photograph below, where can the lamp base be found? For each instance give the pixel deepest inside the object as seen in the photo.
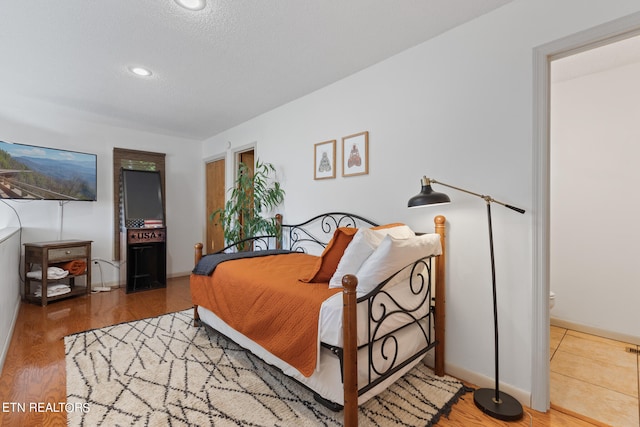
(507, 409)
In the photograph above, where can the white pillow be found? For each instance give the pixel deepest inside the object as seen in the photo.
(364, 242)
(392, 255)
(397, 231)
(358, 250)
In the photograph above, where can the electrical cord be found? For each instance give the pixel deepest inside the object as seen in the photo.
(102, 287)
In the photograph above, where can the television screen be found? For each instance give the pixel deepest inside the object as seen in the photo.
(142, 196)
(38, 173)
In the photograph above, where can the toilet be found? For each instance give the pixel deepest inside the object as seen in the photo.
(552, 299)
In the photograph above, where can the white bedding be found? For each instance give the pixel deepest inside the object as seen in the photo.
(326, 380)
(330, 321)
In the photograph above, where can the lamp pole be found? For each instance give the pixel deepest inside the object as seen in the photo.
(493, 402)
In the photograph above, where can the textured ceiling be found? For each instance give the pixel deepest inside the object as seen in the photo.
(213, 68)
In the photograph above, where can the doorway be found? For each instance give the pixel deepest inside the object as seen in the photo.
(543, 55)
(593, 170)
(593, 152)
(246, 157)
(215, 189)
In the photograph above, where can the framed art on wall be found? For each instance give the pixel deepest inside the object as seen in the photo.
(355, 154)
(324, 160)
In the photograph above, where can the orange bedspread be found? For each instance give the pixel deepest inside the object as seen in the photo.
(263, 299)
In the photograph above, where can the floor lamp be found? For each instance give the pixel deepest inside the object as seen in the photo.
(493, 402)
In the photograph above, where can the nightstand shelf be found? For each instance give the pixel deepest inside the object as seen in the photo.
(47, 254)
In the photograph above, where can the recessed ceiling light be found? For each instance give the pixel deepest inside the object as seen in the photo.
(140, 71)
(192, 4)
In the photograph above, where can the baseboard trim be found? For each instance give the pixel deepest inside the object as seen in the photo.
(178, 274)
(7, 341)
(604, 333)
(579, 416)
(483, 381)
(115, 285)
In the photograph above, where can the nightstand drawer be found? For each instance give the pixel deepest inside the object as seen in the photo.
(66, 254)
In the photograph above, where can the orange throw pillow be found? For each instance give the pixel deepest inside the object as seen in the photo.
(328, 261)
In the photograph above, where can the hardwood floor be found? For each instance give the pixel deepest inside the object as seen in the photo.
(34, 369)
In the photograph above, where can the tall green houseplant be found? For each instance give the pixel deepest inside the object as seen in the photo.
(251, 194)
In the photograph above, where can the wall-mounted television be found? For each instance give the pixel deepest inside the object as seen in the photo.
(30, 172)
(142, 197)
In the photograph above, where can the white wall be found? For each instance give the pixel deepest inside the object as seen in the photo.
(457, 108)
(594, 243)
(94, 220)
(9, 286)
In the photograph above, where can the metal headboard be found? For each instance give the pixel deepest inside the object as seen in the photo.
(316, 232)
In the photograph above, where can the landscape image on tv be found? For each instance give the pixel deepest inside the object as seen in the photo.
(38, 173)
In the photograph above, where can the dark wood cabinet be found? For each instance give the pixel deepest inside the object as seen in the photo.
(144, 252)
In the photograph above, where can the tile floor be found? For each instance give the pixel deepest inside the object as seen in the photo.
(596, 377)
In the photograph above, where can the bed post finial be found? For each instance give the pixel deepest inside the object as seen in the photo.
(350, 350)
(197, 252)
(440, 224)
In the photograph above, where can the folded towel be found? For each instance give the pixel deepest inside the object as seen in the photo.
(75, 267)
(52, 273)
(53, 290)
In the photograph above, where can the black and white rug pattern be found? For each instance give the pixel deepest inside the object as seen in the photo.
(163, 371)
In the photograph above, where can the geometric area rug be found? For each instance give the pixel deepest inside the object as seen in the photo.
(163, 371)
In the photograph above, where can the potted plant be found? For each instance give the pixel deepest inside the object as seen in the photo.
(241, 217)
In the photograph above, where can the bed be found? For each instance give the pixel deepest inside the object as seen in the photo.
(288, 298)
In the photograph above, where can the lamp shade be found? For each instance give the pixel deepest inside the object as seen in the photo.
(427, 196)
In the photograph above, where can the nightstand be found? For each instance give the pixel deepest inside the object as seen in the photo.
(54, 253)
